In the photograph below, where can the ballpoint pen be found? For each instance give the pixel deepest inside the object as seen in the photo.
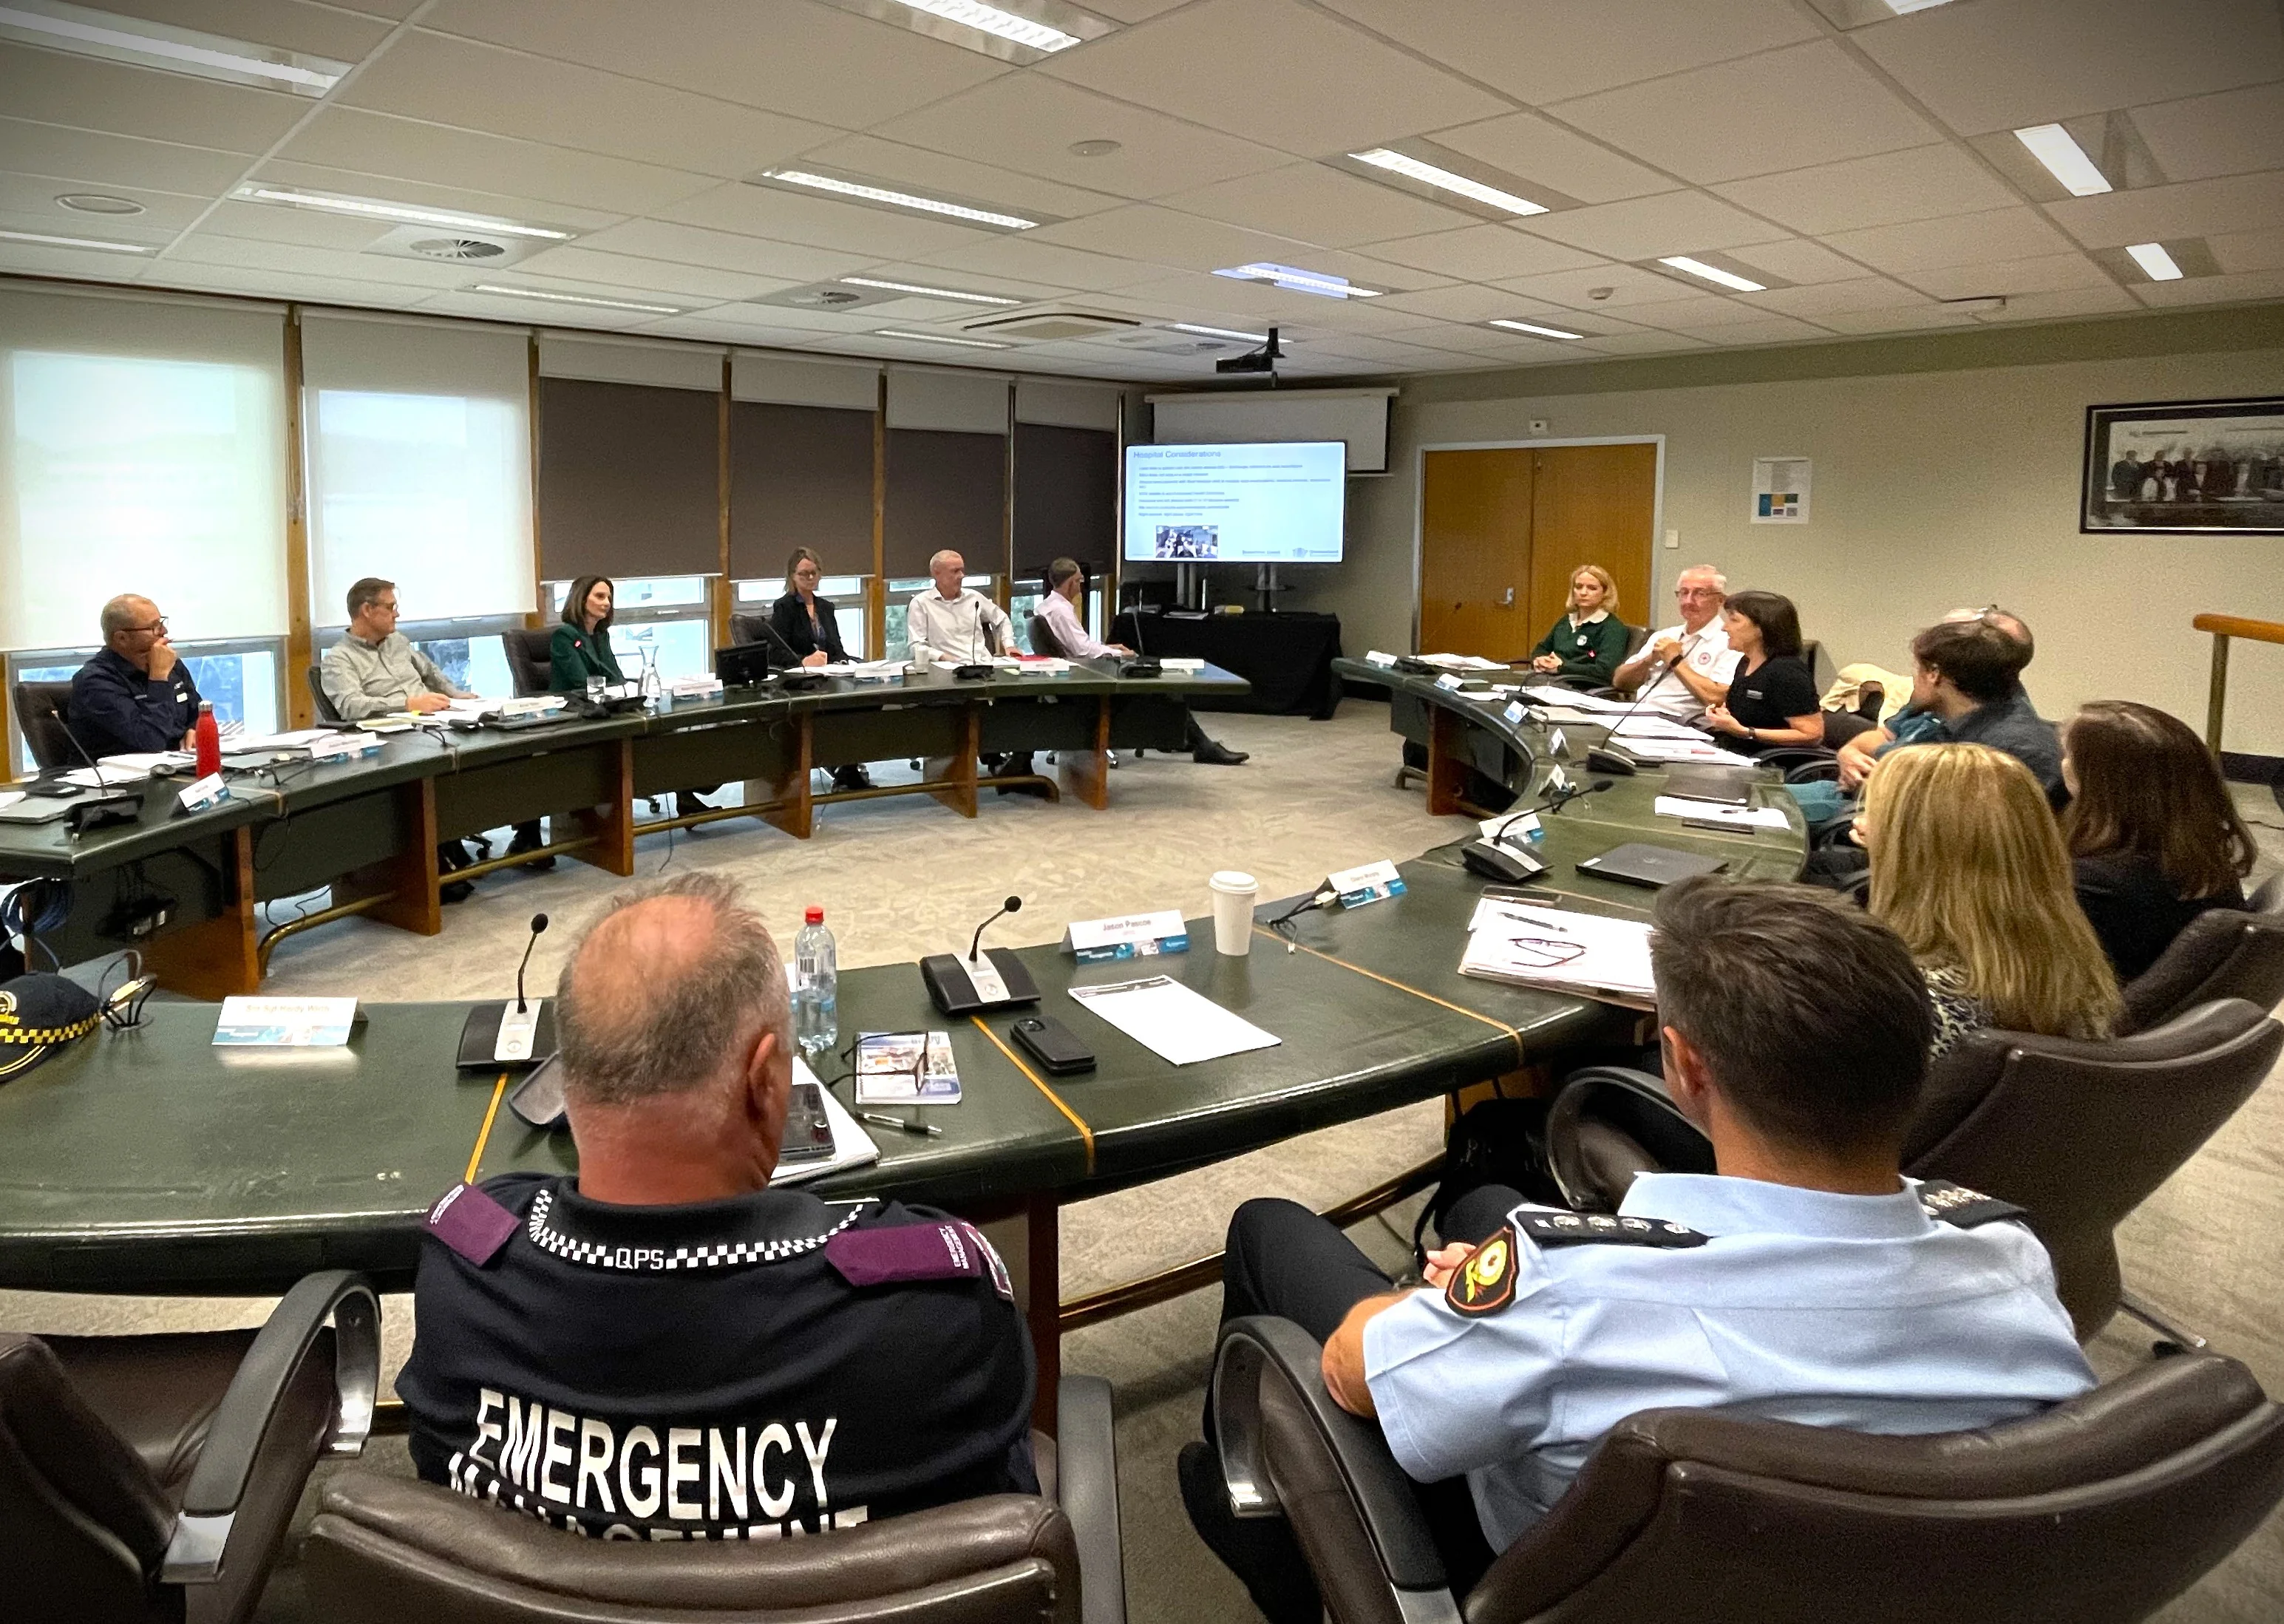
(878, 1119)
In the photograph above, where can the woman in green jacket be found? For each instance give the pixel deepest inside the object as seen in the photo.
(581, 648)
(1585, 647)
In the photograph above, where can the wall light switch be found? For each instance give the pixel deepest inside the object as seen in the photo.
(1673, 538)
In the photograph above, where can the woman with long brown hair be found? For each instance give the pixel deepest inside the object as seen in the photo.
(1968, 868)
(2153, 838)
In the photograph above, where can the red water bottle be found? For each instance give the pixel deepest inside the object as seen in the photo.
(209, 740)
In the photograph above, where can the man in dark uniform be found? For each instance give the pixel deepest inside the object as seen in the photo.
(665, 1348)
(136, 696)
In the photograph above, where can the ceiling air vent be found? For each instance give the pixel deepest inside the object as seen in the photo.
(457, 248)
(1050, 326)
(824, 296)
(425, 242)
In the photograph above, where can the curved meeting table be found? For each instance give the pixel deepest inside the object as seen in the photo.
(149, 1162)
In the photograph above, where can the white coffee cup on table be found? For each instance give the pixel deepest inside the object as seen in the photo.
(1233, 896)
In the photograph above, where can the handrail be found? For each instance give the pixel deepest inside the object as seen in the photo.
(2223, 627)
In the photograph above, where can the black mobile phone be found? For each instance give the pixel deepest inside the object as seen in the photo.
(808, 1130)
(1054, 1045)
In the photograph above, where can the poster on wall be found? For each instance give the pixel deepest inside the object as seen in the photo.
(1781, 490)
(2185, 467)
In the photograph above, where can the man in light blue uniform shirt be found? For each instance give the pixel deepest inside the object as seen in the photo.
(1807, 1282)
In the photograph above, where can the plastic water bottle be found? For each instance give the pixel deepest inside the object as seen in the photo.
(817, 987)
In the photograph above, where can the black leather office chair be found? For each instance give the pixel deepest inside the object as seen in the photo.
(746, 628)
(42, 710)
(322, 700)
(1043, 638)
(2097, 1512)
(2222, 954)
(152, 1478)
(530, 662)
(384, 1550)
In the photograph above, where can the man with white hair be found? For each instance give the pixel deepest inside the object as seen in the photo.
(137, 694)
(955, 624)
(663, 1345)
(1684, 668)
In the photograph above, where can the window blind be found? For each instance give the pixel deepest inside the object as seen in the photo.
(1065, 496)
(629, 479)
(800, 476)
(945, 490)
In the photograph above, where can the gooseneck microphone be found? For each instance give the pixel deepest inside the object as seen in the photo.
(1014, 904)
(538, 925)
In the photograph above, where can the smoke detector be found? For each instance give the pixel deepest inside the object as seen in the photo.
(425, 242)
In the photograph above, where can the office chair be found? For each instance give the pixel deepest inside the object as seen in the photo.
(43, 709)
(322, 700)
(152, 1478)
(384, 1550)
(530, 662)
(2221, 954)
(2096, 1511)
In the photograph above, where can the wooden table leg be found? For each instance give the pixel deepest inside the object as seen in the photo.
(1044, 1266)
(788, 792)
(408, 881)
(1086, 774)
(951, 779)
(215, 959)
(1447, 762)
(611, 824)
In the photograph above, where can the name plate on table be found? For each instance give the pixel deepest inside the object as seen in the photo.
(284, 1023)
(1371, 883)
(208, 791)
(1134, 936)
(1387, 662)
(1557, 744)
(1515, 713)
(1448, 682)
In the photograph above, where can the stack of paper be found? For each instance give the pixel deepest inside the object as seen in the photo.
(1464, 662)
(1644, 726)
(1554, 948)
(1714, 812)
(118, 770)
(1678, 750)
(1572, 699)
(1171, 1020)
(852, 1146)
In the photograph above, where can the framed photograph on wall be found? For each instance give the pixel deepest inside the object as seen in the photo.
(2185, 468)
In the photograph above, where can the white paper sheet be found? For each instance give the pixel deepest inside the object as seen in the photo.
(1681, 750)
(1644, 726)
(1571, 699)
(1171, 1022)
(1517, 942)
(1711, 812)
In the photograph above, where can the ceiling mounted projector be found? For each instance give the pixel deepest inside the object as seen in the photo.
(1261, 360)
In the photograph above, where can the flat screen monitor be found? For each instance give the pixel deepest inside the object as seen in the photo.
(1254, 504)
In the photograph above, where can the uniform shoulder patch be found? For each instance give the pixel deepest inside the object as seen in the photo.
(1576, 1228)
(935, 1249)
(1961, 1207)
(1485, 1283)
(471, 1223)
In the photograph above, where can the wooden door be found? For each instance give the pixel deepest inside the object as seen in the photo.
(1591, 504)
(1475, 552)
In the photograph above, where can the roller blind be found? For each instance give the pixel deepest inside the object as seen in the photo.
(945, 490)
(782, 381)
(419, 464)
(142, 449)
(800, 476)
(620, 360)
(961, 402)
(1065, 496)
(1065, 405)
(629, 479)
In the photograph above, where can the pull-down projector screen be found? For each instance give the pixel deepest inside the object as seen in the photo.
(1357, 417)
(1236, 504)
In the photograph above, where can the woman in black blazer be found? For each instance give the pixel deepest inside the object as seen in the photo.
(803, 618)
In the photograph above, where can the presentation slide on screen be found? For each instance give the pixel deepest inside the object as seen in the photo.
(1236, 504)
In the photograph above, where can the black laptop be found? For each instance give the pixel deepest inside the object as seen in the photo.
(1727, 786)
(1638, 863)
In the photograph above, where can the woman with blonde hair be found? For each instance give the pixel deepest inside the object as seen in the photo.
(1968, 868)
(1588, 645)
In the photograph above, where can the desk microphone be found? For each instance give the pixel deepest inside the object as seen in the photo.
(1607, 756)
(104, 809)
(1014, 904)
(982, 981)
(1554, 803)
(509, 1036)
(538, 925)
(1494, 859)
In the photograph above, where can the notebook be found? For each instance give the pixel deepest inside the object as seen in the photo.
(1730, 786)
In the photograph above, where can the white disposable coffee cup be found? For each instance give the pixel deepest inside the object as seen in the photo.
(1233, 895)
(923, 657)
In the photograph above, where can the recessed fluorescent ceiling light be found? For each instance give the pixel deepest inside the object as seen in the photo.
(900, 200)
(1295, 280)
(2153, 258)
(929, 293)
(182, 51)
(72, 242)
(938, 338)
(576, 299)
(1533, 327)
(1219, 333)
(1905, 7)
(1713, 274)
(1396, 163)
(2065, 159)
(1002, 25)
(409, 212)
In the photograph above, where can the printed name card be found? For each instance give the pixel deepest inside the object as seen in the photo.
(284, 1023)
(1134, 936)
(1371, 883)
(208, 791)
(1515, 713)
(1447, 681)
(1385, 661)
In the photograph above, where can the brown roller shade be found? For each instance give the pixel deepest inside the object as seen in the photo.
(1066, 496)
(629, 481)
(800, 476)
(945, 490)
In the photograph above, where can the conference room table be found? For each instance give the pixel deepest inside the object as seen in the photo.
(1286, 656)
(369, 827)
(150, 1161)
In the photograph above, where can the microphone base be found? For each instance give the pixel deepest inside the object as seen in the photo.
(1496, 859)
(491, 1041)
(1610, 759)
(953, 990)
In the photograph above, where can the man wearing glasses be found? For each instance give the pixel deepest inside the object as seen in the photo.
(1684, 668)
(136, 696)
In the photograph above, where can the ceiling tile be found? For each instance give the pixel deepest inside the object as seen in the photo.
(805, 61)
(376, 143)
(724, 251)
(1249, 304)
(1831, 298)
(1922, 183)
(1796, 260)
(641, 291)
(535, 313)
(2062, 304)
(1487, 253)
(1029, 122)
(2213, 290)
(1317, 203)
(820, 222)
(620, 270)
(2004, 64)
(299, 285)
(34, 196)
(1621, 285)
(1006, 287)
(447, 81)
(53, 222)
(1470, 304)
(199, 248)
(1540, 50)
(1534, 149)
(2241, 251)
(266, 223)
(324, 177)
(1643, 344)
(1909, 318)
(1651, 227)
(1698, 311)
(1046, 264)
(286, 25)
(926, 169)
(1982, 239)
(2047, 273)
(2157, 214)
(1156, 235)
(84, 93)
(1275, 72)
(2205, 136)
(1770, 330)
(84, 265)
(118, 161)
(1754, 116)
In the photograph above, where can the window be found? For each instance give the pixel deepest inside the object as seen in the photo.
(241, 678)
(1025, 597)
(896, 643)
(847, 594)
(657, 620)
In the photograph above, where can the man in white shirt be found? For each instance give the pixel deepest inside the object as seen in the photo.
(1684, 668)
(1059, 609)
(956, 626)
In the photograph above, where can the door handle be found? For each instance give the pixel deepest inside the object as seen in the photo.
(1507, 602)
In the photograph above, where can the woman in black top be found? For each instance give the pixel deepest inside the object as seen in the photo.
(2154, 838)
(1771, 703)
(803, 618)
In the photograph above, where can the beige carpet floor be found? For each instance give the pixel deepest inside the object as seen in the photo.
(903, 876)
